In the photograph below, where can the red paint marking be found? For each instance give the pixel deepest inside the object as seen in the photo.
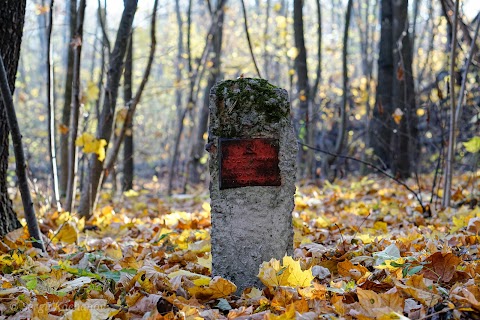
(249, 162)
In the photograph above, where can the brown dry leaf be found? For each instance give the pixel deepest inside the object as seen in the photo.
(425, 297)
(369, 300)
(393, 300)
(242, 311)
(380, 106)
(348, 269)
(63, 129)
(442, 267)
(400, 73)
(217, 288)
(284, 296)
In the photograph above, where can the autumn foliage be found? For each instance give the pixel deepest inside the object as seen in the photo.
(363, 250)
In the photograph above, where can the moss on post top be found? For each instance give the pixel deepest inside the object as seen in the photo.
(263, 96)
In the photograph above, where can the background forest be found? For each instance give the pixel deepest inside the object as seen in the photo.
(112, 102)
(369, 80)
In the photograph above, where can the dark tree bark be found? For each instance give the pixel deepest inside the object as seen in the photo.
(128, 168)
(12, 15)
(105, 122)
(405, 134)
(21, 164)
(75, 108)
(395, 142)
(382, 123)
(303, 91)
(67, 100)
(131, 106)
(198, 148)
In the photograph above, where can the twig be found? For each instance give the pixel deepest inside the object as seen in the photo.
(371, 165)
(428, 316)
(101, 17)
(245, 24)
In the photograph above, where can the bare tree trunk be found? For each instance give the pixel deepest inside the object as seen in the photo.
(128, 141)
(405, 138)
(198, 147)
(105, 123)
(190, 103)
(382, 124)
(303, 91)
(12, 13)
(447, 187)
(133, 103)
(9, 110)
(75, 108)
(67, 100)
(342, 128)
(50, 88)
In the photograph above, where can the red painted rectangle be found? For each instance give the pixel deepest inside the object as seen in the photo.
(249, 162)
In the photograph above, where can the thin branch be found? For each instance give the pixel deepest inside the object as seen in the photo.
(245, 24)
(28, 208)
(371, 165)
(102, 18)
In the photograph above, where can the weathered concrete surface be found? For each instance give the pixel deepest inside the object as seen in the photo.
(250, 224)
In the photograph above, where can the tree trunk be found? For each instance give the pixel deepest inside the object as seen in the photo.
(127, 183)
(382, 123)
(405, 136)
(75, 109)
(67, 98)
(198, 148)
(12, 15)
(50, 90)
(395, 141)
(304, 126)
(105, 122)
(450, 161)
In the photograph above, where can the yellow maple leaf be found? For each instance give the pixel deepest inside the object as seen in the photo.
(91, 144)
(290, 273)
(217, 288)
(288, 315)
(272, 274)
(81, 313)
(66, 234)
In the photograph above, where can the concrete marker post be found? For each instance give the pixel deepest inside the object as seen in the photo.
(253, 151)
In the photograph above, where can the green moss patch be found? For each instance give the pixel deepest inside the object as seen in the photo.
(252, 91)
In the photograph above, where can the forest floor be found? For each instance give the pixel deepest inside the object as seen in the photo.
(364, 249)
